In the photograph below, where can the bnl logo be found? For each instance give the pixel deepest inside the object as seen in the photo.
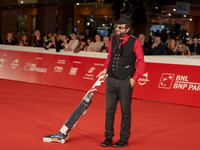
(166, 80)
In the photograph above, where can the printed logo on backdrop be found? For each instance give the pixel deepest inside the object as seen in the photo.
(61, 61)
(88, 75)
(143, 80)
(182, 82)
(166, 80)
(2, 62)
(14, 64)
(76, 62)
(91, 69)
(58, 69)
(73, 71)
(32, 67)
(39, 58)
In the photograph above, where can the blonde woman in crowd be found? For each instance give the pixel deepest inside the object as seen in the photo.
(171, 48)
(10, 39)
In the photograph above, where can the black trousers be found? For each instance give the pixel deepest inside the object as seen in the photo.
(117, 89)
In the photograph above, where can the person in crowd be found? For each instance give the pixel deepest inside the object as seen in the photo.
(73, 43)
(38, 41)
(55, 35)
(151, 40)
(179, 41)
(59, 37)
(144, 44)
(1, 41)
(15, 39)
(104, 48)
(172, 49)
(195, 47)
(45, 39)
(83, 46)
(123, 53)
(89, 41)
(185, 50)
(52, 43)
(61, 44)
(24, 41)
(157, 48)
(190, 42)
(96, 46)
(10, 39)
(49, 35)
(87, 33)
(168, 38)
(81, 35)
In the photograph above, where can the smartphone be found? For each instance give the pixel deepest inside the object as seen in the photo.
(21, 42)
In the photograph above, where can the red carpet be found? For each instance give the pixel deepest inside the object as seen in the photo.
(30, 111)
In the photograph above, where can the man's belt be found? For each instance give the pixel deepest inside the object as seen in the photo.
(114, 76)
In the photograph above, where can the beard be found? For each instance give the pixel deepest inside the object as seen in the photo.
(121, 34)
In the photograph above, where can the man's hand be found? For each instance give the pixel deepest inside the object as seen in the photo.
(102, 73)
(132, 82)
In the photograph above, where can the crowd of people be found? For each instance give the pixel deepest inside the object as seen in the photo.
(95, 43)
(172, 46)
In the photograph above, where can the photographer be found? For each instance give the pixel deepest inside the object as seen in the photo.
(157, 48)
(52, 43)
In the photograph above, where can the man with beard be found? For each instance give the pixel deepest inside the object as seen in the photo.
(123, 51)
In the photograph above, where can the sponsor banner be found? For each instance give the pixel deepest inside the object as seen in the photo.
(56, 70)
(179, 84)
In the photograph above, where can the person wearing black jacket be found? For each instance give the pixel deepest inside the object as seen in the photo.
(10, 39)
(52, 43)
(38, 41)
(157, 48)
(144, 44)
(195, 47)
(1, 41)
(61, 44)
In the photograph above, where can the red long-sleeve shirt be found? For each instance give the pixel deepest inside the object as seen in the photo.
(140, 64)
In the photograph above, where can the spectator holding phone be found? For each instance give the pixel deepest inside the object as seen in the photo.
(157, 48)
(96, 46)
(24, 41)
(185, 50)
(52, 43)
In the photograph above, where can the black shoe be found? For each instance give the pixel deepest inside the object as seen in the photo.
(120, 143)
(107, 142)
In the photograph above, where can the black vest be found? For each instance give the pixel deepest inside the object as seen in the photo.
(122, 64)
